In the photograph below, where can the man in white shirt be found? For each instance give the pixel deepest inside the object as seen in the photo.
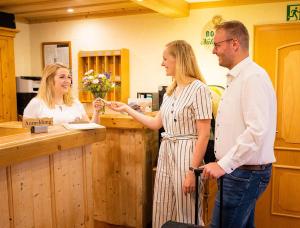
(245, 129)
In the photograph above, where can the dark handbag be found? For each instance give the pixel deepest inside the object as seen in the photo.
(210, 150)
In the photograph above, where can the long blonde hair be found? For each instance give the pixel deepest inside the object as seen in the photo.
(187, 69)
(46, 90)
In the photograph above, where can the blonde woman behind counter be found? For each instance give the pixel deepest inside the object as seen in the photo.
(55, 99)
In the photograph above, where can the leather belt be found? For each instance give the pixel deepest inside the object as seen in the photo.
(255, 167)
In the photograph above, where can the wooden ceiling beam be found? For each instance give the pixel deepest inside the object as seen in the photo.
(170, 8)
(81, 16)
(49, 5)
(225, 3)
(85, 9)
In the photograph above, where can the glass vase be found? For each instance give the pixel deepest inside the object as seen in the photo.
(100, 95)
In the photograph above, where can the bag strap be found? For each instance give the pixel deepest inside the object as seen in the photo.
(197, 173)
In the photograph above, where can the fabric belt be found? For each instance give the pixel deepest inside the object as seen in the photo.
(174, 138)
(255, 167)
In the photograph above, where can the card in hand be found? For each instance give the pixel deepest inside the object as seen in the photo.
(104, 101)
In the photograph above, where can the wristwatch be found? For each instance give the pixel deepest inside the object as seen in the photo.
(199, 169)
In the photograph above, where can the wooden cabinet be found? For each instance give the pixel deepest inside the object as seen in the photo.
(115, 62)
(8, 103)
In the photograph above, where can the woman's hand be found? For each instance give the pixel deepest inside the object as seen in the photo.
(189, 183)
(118, 106)
(98, 104)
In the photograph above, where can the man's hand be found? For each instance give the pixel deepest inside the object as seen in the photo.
(212, 170)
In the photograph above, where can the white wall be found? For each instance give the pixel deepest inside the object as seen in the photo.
(145, 36)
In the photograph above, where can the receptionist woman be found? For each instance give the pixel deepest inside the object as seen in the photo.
(55, 99)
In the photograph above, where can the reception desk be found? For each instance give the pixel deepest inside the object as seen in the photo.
(123, 173)
(46, 179)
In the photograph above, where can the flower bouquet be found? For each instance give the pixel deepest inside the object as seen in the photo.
(98, 84)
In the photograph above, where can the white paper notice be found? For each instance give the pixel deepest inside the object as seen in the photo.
(82, 126)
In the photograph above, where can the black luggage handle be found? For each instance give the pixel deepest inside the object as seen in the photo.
(197, 173)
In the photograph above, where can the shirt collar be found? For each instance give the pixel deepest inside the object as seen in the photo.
(235, 71)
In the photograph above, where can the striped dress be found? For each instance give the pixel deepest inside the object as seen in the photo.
(179, 115)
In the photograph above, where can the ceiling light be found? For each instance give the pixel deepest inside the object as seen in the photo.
(70, 10)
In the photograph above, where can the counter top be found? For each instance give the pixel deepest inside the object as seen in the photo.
(122, 121)
(18, 144)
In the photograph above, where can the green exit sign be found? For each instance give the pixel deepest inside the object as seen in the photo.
(293, 12)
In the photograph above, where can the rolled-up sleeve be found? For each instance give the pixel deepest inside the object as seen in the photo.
(202, 103)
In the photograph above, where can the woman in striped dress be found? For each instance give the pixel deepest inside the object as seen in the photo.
(185, 115)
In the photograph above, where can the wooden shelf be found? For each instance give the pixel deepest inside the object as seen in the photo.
(115, 62)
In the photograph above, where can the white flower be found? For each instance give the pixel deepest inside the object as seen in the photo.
(101, 76)
(95, 81)
(90, 77)
(89, 72)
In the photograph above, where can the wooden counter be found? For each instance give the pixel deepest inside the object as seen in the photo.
(123, 177)
(46, 179)
(122, 171)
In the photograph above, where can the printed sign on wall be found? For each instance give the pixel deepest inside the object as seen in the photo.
(293, 12)
(208, 31)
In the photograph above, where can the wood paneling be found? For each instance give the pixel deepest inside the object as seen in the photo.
(69, 188)
(286, 188)
(49, 192)
(277, 49)
(288, 60)
(31, 193)
(4, 205)
(122, 172)
(19, 147)
(37, 11)
(226, 3)
(8, 101)
(170, 8)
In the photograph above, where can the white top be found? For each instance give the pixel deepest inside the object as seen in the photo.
(179, 114)
(60, 114)
(246, 120)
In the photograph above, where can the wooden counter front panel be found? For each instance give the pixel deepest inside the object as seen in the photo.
(122, 169)
(4, 209)
(48, 191)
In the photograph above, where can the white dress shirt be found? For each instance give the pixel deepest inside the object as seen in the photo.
(60, 113)
(246, 120)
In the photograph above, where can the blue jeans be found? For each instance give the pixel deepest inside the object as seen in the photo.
(241, 189)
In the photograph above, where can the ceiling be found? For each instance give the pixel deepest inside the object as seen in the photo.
(37, 11)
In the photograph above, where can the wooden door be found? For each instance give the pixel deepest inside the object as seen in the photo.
(8, 103)
(277, 49)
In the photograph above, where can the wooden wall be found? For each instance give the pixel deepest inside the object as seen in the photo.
(48, 191)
